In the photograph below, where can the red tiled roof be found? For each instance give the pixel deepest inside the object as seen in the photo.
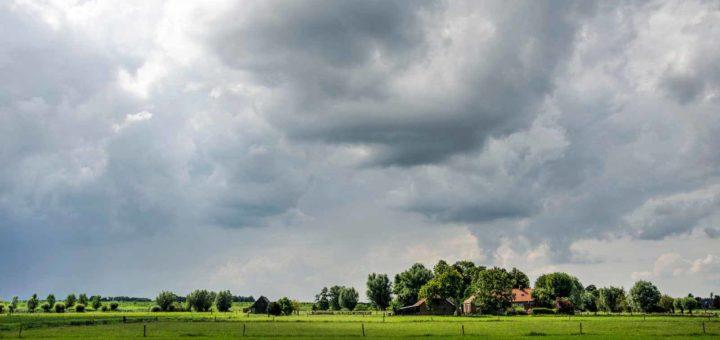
(522, 295)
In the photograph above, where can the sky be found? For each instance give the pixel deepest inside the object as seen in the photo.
(276, 147)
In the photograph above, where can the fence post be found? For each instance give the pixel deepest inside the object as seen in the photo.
(124, 319)
(703, 324)
(581, 329)
(243, 329)
(20, 332)
(363, 329)
(144, 330)
(383, 317)
(462, 327)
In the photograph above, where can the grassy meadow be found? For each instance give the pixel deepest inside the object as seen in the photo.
(235, 324)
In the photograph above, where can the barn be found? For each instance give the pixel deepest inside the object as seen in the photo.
(438, 306)
(259, 306)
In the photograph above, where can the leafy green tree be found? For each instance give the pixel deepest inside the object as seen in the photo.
(493, 290)
(286, 306)
(80, 308)
(667, 304)
(469, 271)
(349, 298)
(589, 301)
(83, 299)
(334, 297)
(46, 307)
(114, 306)
(550, 287)
(96, 302)
(321, 300)
(689, 304)
(59, 307)
(223, 301)
(610, 299)
(70, 300)
(200, 300)
(446, 284)
(13, 304)
(2, 308)
(645, 296)
(165, 299)
(520, 280)
(32, 303)
(408, 283)
(379, 291)
(50, 299)
(274, 308)
(678, 305)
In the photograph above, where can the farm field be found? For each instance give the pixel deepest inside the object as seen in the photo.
(231, 325)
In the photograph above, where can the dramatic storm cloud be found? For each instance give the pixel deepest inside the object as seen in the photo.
(275, 147)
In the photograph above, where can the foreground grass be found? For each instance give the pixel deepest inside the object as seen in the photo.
(231, 325)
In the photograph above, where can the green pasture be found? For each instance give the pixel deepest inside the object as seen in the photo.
(235, 324)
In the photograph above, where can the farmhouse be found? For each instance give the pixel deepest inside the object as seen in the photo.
(437, 306)
(259, 306)
(521, 298)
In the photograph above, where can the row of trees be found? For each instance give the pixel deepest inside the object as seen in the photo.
(492, 288)
(79, 303)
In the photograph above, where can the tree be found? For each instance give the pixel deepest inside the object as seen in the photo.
(13, 304)
(493, 290)
(96, 302)
(610, 299)
(408, 283)
(689, 304)
(349, 298)
(274, 308)
(447, 284)
(165, 299)
(286, 306)
(550, 287)
(50, 299)
(32, 303)
(678, 305)
(469, 271)
(200, 300)
(589, 301)
(667, 304)
(645, 296)
(70, 300)
(223, 300)
(46, 307)
(378, 290)
(334, 297)
(59, 307)
(520, 280)
(321, 300)
(82, 299)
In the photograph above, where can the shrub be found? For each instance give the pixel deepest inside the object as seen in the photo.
(155, 309)
(59, 307)
(541, 310)
(223, 301)
(70, 300)
(114, 306)
(50, 299)
(274, 308)
(33, 303)
(2, 308)
(82, 299)
(565, 306)
(96, 302)
(80, 308)
(165, 300)
(104, 308)
(46, 307)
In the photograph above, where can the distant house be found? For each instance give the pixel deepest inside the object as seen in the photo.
(438, 306)
(521, 298)
(259, 306)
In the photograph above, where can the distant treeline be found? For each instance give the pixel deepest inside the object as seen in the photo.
(243, 298)
(125, 299)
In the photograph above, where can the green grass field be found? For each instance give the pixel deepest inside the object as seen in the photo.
(231, 325)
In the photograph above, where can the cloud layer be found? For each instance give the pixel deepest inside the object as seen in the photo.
(290, 141)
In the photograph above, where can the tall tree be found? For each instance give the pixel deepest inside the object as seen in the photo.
(334, 297)
(50, 299)
(645, 296)
(223, 301)
(408, 283)
(321, 300)
(32, 303)
(349, 298)
(493, 290)
(447, 284)
(610, 299)
(520, 280)
(70, 300)
(83, 299)
(378, 290)
(550, 287)
(469, 271)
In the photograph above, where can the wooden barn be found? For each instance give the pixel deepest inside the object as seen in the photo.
(260, 306)
(438, 306)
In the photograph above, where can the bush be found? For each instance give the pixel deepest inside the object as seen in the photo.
(541, 310)
(156, 309)
(223, 301)
(274, 308)
(96, 302)
(80, 308)
(286, 306)
(2, 308)
(104, 308)
(165, 300)
(59, 307)
(46, 307)
(114, 306)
